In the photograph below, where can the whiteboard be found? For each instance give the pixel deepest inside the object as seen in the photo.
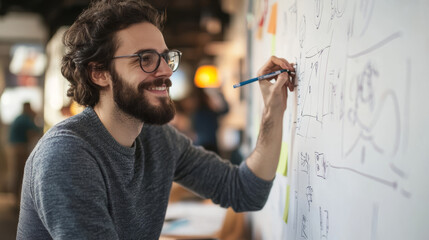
(356, 128)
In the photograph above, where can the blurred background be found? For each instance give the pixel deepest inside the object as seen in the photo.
(211, 34)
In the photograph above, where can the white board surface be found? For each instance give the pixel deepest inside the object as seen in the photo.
(357, 125)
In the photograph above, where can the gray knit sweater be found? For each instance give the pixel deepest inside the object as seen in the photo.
(80, 183)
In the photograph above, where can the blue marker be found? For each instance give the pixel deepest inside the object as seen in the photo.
(266, 76)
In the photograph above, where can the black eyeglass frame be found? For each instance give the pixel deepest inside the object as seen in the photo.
(164, 55)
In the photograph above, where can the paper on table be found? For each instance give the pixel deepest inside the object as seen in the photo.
(193, 219)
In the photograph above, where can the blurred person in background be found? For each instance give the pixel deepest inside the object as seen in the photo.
(182, 118)
(211, 105)
(106, 173)
(23, 133)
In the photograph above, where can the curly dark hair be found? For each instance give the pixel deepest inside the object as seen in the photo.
(92, 39)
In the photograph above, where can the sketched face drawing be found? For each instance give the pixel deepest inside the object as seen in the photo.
(365, 102)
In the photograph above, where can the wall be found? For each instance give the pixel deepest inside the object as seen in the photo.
(354, 156)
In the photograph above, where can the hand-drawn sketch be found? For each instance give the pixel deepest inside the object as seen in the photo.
(362, 15)
(304, 227)
(353, 117)
(324, 223)
(309, 195)
(321, 166)
(292, 11)
(302, 31)
(337, 8)
(304, 162)
(365, 113)
(318, 12)
(311, 94)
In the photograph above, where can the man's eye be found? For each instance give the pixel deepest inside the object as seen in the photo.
(147, 59)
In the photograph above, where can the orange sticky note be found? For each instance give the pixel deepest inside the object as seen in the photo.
(272, 24)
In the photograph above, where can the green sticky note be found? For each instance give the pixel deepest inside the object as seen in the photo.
(286, 212)
(273, 45)
(282, 166)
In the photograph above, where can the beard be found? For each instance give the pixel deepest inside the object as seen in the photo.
(134, 103)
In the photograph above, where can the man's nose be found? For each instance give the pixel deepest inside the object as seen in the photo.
(163, 69)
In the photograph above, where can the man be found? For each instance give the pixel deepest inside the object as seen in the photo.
(22, 132)
(106, 173)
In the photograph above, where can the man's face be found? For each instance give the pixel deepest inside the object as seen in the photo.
(142, 95)
(137, 104)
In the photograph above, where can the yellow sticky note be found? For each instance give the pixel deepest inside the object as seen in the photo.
(286, 212)
(272, 24)
(282, 166)
(273, 45)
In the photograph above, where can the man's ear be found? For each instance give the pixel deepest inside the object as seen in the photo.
(98, 76)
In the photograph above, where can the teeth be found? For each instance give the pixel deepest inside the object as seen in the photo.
(158, 88)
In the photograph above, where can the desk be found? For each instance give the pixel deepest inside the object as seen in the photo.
(193, 220)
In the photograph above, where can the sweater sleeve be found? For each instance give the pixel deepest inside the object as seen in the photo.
(69, 191)
(226, 184)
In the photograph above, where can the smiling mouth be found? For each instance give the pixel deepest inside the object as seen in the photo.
(161, 91)
(159, 87)
(162, 88)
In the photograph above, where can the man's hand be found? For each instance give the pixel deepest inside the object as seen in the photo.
(275, 95)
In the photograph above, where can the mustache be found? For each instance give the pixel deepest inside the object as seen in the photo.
(157, 83)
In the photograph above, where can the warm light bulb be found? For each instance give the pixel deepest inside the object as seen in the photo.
(206, 77)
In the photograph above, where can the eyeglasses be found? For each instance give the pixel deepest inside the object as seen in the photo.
(151, 59)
